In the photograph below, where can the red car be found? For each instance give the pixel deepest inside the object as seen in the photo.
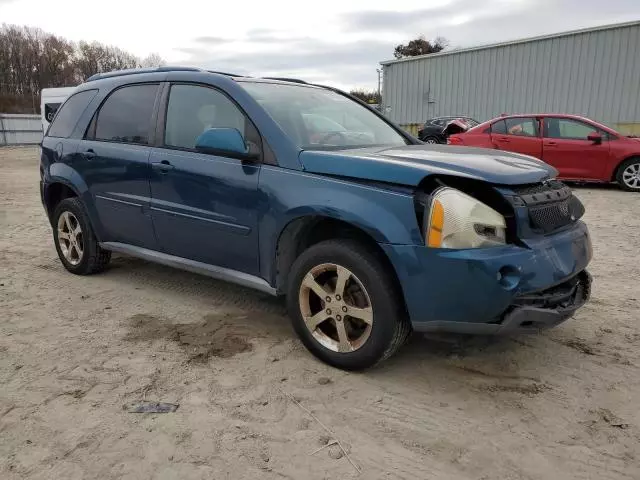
(579, 148)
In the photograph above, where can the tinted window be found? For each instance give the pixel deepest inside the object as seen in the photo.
(569, 129)
(193, 109)
(523, 127)
(126, 115)
(68, 115)
(499, 127)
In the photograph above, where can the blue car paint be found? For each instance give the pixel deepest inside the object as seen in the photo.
(216, 200)
(232, 213)
(468, 285)
(409, 165)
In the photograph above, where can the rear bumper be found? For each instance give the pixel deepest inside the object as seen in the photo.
(495, 290)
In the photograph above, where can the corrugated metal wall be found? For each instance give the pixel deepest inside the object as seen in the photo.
(591, 73)
(20, 129)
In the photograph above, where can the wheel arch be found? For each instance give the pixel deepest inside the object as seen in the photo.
(305, 231)
(56, 192)
(614, 175)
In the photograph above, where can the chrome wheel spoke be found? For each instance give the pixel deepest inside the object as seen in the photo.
(344, 345)
(67, 221)
(364, 314)
(341, 282)
(315, 287)
(62, 235)
(313, 321)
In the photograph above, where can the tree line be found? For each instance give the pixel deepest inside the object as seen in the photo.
(31, 59)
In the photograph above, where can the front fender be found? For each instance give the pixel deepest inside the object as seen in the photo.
(387, 216)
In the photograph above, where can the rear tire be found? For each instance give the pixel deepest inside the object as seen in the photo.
(628, 174)
(361, 320)
(76, 244)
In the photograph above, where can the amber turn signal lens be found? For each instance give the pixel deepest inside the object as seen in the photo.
(434, 238)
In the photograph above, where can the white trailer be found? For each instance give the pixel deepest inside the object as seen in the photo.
(50, 101)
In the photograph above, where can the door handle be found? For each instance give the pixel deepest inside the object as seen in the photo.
(503, 139)
(550, 144)
(164, 166)
(89, 154)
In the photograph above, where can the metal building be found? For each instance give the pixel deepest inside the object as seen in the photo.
(593, 72)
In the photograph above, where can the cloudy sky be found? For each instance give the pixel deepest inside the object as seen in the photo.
(338, 42)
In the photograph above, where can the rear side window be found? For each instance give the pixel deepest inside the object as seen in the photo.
(521, 127)
(69, 114)
(499, 128)
(126, 115)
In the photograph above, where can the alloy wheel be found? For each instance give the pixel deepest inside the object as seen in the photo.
(336, 308)
(631, 176)
(70, 238)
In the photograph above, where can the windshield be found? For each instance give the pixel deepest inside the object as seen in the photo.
(315, 118)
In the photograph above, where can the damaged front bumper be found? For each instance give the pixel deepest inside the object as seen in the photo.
(529, 313)
(495, 290)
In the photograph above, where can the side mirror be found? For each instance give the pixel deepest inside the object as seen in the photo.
(226, 142)
(596, 138)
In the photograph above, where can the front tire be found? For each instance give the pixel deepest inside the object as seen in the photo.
(345, 305)
(628, 174)
(431, 141)
(76, 244)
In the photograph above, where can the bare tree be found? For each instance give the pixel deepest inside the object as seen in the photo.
(153, 60)
(31, 60)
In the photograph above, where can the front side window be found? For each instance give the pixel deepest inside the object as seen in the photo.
(126, 115)
(569, 129)
(67, 117)
(192, 109)
(317, 118)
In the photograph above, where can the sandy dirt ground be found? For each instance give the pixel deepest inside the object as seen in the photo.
(74, 351)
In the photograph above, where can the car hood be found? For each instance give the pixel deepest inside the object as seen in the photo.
(408, 165)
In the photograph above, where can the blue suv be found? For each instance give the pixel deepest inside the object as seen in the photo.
(302, 191)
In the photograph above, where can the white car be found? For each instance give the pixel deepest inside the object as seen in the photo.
(50, 101)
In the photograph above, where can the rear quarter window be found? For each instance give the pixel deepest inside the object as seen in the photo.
(68, 115)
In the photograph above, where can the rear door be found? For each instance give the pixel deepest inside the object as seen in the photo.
(517, 134)
(567, 148)
(116, 164)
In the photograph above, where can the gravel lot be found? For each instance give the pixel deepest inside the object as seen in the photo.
(75, 350)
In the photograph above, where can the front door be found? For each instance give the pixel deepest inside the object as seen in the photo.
(115, 164)
(568, 149)
(517, 134)
(204, 206)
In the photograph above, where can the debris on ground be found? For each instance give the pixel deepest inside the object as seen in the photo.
(150, 407)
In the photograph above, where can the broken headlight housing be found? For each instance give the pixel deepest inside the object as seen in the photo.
(457, 220)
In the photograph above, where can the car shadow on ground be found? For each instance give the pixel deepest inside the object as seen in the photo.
(182, 286)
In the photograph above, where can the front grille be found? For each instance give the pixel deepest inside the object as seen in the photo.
(555, 215)
(551, 205)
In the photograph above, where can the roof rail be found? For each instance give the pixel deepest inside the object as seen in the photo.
(134, 71)
(285, 79)
(225, 73)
